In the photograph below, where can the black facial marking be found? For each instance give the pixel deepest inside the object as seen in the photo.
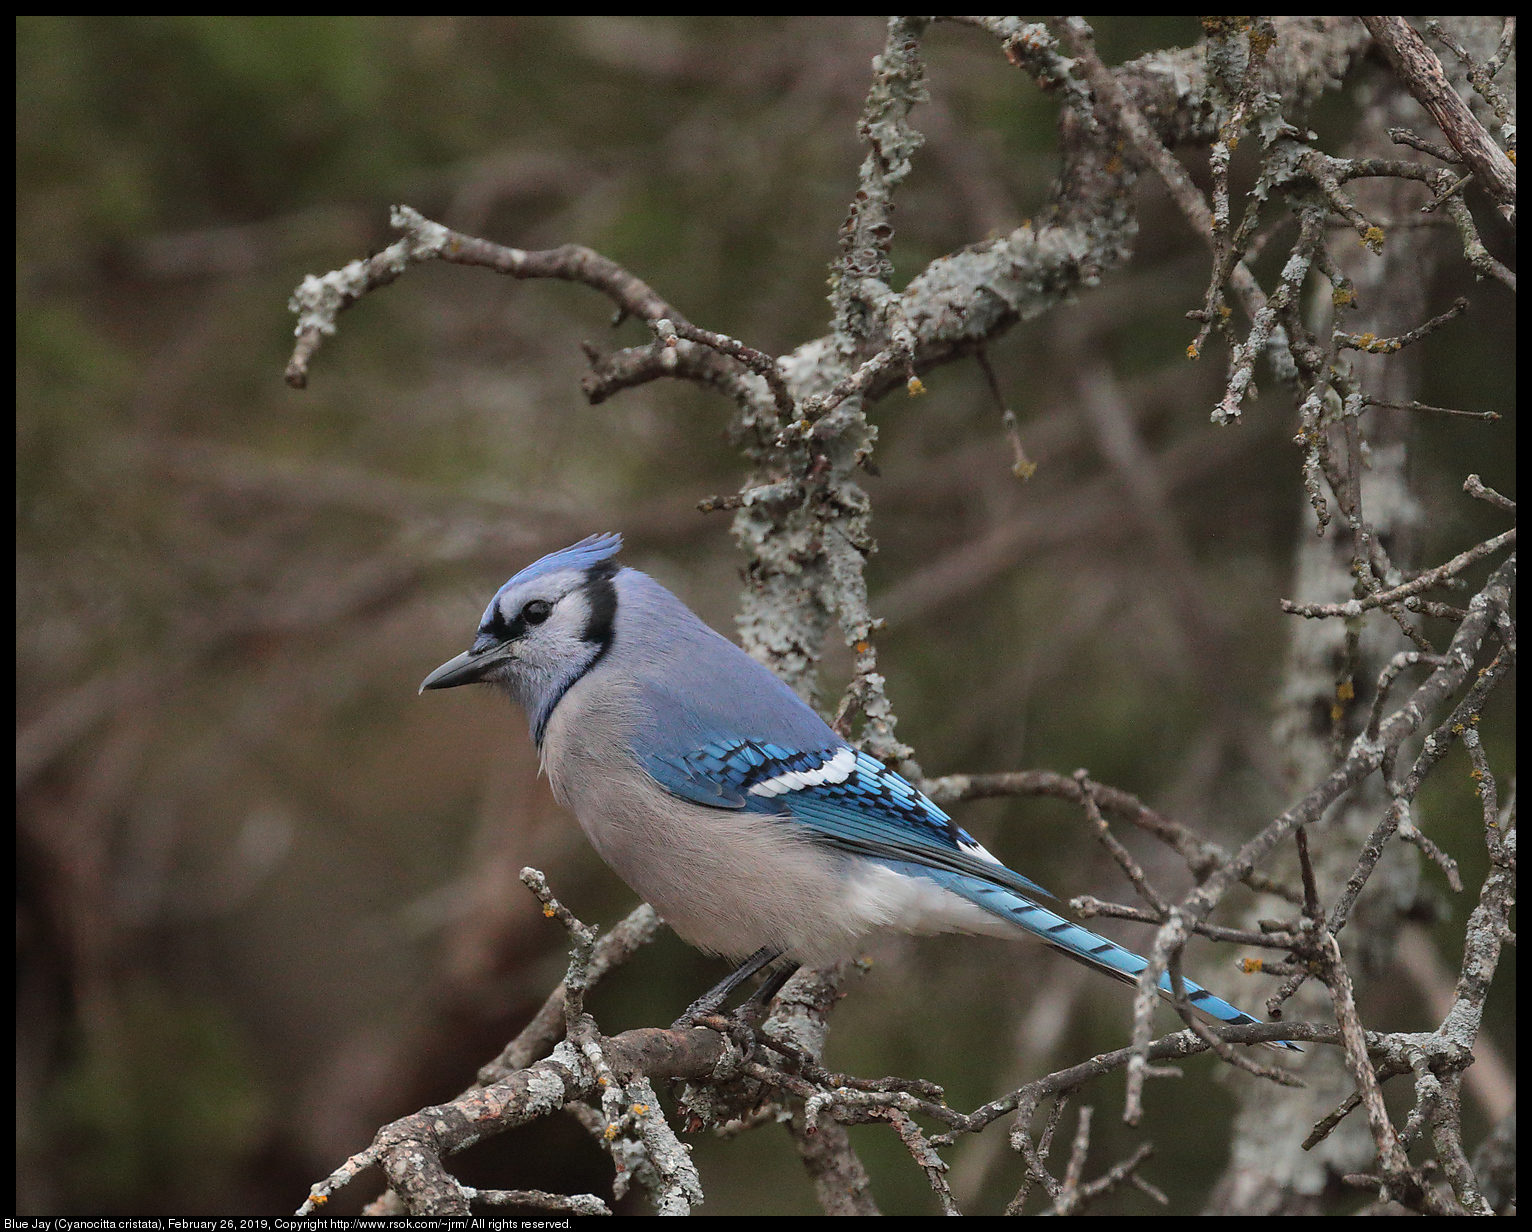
(498, 629)
(601, 599)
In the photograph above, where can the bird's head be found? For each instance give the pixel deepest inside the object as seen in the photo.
(544, 629)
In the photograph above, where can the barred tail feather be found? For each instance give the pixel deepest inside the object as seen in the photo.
(1092, 949)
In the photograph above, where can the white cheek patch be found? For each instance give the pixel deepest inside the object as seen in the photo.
(837, 770)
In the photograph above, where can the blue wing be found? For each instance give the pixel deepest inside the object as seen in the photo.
(855, 804)
(851, 801)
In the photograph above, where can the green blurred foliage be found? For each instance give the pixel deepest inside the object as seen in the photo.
(163, 1115)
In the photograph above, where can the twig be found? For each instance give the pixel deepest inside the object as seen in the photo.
(1444, 195)
(1421, 72)
(616, 947)
(1202, 856)
(1353, 608)
(758, 362)
(1479, 76)
(1403, 136)
(1402, 660)
(1474, 486)
(1023, 467)
(320, 299)
(1087, 906)
(1503, 48)
(575, 1204)
(1310, 889)
(1118, 111)
(1322, 169)
(1118, 852)
(1242, 366)
(1474, 251)
(1225, 1051)
(1374, 345)
(1326, 1125)
(1485, 416)
(1362, 760)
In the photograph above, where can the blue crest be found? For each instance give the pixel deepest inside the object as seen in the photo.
(589, 551)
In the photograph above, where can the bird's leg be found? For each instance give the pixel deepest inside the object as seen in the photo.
(745, 1022)
(715, 996)
(770, 987)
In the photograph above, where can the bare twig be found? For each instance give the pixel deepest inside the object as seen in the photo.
(1474, 486)
(1480, 76)
(758, 362)
(1485, 416)
(1023, 467)
(1403, 136)
(1432, 577)
(1362, 760)
(319, 300)
(1421, 72)
(1118, 852)
(1374, 345)
(1201, 856)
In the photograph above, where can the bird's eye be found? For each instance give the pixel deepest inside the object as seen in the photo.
(536, 611)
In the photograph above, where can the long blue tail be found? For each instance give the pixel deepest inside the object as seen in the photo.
(1084, 946)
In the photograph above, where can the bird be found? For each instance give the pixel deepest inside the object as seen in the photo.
(725, 801)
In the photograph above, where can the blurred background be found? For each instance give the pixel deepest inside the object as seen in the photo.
(267, 896)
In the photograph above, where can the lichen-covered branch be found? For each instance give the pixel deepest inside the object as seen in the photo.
(1422, 75)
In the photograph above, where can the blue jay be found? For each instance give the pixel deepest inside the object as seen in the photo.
(724, 800)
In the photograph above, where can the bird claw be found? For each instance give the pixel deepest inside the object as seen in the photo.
(740, 1027)
(696, 1014)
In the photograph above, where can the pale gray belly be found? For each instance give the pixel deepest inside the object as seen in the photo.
(726, 880)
